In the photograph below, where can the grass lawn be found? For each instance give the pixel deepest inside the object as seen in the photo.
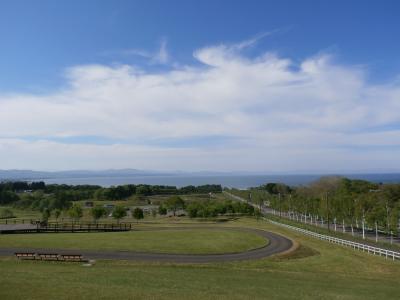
(318, 270)
(192, 241)
(21, 213)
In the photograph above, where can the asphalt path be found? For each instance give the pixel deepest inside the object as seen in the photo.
(276, 244)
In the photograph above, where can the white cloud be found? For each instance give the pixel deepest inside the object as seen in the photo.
(279, 116)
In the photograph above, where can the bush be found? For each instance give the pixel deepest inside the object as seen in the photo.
(162, 210)
(138, 213)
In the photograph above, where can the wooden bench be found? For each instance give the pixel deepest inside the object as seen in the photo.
(51, 256)
(73, 257)
(25, 255)
(48, 256)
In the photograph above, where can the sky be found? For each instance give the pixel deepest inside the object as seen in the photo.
(257, 86)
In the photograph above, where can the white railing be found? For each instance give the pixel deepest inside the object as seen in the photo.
(356, 246)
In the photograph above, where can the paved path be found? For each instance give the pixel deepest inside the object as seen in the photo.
(11, 227)
(277, 244)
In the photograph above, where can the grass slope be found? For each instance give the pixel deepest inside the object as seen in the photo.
(318, 270)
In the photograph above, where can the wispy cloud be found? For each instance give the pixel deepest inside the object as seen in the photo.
(253, 40)
(262, 113)
(161, 56)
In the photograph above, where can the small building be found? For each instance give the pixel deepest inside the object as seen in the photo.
(89, 204)
(109, 206)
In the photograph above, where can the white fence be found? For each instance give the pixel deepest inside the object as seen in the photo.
(356, 246)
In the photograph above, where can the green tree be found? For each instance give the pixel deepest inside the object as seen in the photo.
(57, 213)
(174, 203)
(162, 210)
(257, 214)
(138, 213)
(193, 209)
(97, 212)
(119, 212)
(75, 212)
(46, 214)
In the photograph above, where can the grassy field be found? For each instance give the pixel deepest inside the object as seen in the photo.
(192, 241)
(317, 270)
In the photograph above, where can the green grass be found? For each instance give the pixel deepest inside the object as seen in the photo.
(22, 213)
(318, 270)
(192, 241)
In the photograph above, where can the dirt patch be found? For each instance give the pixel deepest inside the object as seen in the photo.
(298, 251)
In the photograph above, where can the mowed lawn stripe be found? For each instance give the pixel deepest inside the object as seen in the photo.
(190, 241)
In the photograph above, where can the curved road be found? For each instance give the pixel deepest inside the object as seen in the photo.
(277, 244)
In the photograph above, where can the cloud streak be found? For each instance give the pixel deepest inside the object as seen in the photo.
(159, 57)
(270, 113)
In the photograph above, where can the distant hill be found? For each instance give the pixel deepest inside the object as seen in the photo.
(34, 175)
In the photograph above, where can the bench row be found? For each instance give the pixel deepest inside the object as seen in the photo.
(50, 256)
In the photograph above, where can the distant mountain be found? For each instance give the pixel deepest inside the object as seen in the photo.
(35, 175)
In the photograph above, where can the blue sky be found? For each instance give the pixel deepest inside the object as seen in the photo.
(200, 85)
(41, 38)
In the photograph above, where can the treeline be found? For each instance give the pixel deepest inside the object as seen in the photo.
(213, 208)
(125, 191)
(333, 200)
(38, 195)
(22, 193)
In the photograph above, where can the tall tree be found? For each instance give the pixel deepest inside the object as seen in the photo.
(138, 214)
(75, 212)
(118, 213)
(174, 203)
(97, 212)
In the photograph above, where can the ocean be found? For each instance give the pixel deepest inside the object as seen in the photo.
(231, 181)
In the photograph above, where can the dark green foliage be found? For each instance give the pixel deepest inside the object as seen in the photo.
(138, 213)
(162, 210)
(38, 195)
(276, 188)
(213, 208)
(46, 214)
(7, 197)
(57, 213)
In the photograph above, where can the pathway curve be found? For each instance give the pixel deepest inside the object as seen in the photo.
(277, 244)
